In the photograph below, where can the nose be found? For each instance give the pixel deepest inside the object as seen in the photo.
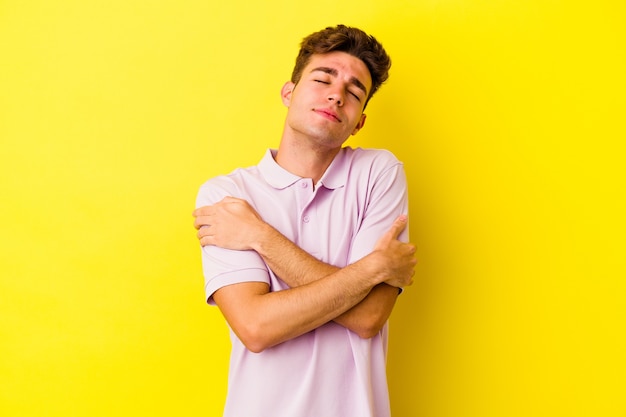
(335, 96)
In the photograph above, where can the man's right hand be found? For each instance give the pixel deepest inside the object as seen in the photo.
(397, 258)
(231, 223)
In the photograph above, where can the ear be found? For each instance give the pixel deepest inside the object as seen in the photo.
(285, 93)
(360, 124)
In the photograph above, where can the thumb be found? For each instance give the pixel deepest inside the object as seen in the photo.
(399, 224)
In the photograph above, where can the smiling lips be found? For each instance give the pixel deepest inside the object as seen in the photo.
(329, 114)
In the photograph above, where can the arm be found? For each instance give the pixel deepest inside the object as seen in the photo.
(235, 225)
(262, 319)
(296, 267)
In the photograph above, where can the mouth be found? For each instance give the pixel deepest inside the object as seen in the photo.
(329, 114)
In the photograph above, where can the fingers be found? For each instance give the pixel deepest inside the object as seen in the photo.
(403, 275)
(202, 215)
(201, 221)
(203, 236)
(231, 223)
(208, 210)
(406, 271)
(203, 231)
(203, 211)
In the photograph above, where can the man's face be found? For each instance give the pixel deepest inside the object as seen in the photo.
(326, 106)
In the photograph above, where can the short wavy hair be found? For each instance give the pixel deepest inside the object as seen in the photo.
(352, 41)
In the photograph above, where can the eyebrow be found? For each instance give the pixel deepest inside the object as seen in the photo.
(332, 71)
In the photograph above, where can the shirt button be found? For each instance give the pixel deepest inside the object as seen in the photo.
(305, 219)
(303, 184)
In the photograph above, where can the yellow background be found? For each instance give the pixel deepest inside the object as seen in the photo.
(509, 116)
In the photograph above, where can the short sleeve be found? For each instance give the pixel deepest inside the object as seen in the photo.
(387, 199)
(222, 267)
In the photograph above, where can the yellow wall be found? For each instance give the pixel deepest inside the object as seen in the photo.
(508, 115)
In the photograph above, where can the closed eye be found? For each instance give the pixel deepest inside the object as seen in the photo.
(355, 95)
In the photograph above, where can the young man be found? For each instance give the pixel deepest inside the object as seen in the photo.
(304, 253)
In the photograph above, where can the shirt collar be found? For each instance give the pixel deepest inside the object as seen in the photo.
(278, 177)
(275, 175)
(337, 172)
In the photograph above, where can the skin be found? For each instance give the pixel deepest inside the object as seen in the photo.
(235, 225)
(324, 109)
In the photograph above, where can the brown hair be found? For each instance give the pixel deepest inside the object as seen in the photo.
(352, 41)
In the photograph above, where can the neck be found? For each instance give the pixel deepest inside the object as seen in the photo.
(303, 160)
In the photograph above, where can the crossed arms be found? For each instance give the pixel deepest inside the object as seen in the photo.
(359, 296)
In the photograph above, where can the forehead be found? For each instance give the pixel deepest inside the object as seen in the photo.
(346, 65)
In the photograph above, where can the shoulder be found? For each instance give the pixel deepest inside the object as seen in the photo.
(232, 184)
(371, 161)
(371, 155)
